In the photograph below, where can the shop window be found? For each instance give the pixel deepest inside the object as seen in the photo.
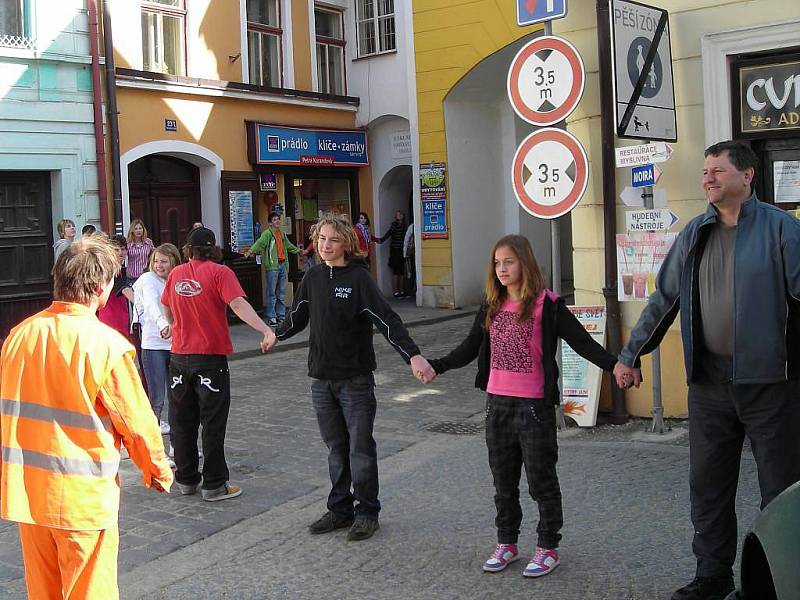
(375, 26)
(314, 197)
(329, 26)
(163, 34)
(13, 24)
(264, 42)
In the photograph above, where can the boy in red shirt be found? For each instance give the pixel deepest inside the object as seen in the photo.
(195, 298)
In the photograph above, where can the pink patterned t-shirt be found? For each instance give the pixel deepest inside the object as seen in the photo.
(516, 368)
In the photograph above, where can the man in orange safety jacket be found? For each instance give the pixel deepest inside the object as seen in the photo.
(69, 395)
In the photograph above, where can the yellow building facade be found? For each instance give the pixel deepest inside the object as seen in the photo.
(462, 54)
(220, 109)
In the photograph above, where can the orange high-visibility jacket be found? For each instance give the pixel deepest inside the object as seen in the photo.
(69, 393)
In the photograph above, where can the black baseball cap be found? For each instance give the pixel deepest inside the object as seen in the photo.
(201, 237)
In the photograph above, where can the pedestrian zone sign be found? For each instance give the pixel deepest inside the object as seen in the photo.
(644, 105)
(536, 11)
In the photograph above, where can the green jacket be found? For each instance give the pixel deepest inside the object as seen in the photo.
(266, 246)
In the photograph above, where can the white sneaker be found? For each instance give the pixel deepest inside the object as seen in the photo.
(164, 427)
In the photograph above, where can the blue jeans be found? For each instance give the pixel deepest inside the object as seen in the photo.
(346, 414)
(155, 364)
(276, 288)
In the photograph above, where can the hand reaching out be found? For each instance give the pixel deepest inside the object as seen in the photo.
(269, 340)
(422, 369)
(626, 376)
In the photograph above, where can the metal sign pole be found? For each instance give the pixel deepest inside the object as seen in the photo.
(555, 261)
(657, 425)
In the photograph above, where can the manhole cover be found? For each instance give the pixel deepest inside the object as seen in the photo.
(454, 428)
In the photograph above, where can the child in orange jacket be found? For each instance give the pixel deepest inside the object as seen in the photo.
(70, 395)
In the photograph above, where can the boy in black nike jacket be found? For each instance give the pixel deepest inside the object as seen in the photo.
(342, 302)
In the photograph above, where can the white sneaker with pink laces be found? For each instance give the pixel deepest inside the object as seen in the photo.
(542, 563)
(504, 555)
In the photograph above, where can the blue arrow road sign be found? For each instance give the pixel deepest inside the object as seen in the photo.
(536, 11)
(642, 176)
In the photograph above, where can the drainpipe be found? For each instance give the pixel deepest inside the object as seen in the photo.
(113, 122)
(97, 101)
(619, 413)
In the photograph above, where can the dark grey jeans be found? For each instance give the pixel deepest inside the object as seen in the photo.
(720, 415)
(345, 411)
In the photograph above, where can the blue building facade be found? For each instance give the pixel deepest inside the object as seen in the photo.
(48, 168)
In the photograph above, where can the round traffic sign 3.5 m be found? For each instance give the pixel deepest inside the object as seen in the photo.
(545, 81)
(549, 173)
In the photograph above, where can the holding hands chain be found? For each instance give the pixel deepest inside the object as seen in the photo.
(422, 369)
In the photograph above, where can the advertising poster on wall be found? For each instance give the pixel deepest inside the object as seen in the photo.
(581, 379)
(786, 174)
(433, 194)
(639, 257)
(241, 223)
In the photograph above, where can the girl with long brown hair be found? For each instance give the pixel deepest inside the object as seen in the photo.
(515, 337)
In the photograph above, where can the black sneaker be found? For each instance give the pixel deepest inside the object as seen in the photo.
(273, 322)
(328, 522)
(363, 528)
(706, 588)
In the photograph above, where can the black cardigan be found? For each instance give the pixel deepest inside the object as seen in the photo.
(557, 322)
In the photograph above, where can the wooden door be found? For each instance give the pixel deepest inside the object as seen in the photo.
(26, 245)
(165, 194)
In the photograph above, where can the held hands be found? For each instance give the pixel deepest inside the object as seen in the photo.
(422, 369)
(166, 332)
(269, 340)
(626, 376)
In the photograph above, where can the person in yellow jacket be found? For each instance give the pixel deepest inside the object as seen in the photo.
(69, 395)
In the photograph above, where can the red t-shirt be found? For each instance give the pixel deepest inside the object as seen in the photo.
(197, 294)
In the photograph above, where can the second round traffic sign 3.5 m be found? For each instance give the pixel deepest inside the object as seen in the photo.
(545, 80)
(549, 173)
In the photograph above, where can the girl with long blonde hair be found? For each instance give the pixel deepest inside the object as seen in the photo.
(515, 337)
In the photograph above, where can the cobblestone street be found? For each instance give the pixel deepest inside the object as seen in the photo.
(627, 533)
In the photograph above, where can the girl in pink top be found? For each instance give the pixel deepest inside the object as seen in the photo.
(139, 248)
(515, 337)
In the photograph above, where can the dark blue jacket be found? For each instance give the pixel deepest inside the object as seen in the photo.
(766, 288)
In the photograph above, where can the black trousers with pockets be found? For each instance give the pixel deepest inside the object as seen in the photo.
(522, 432)
(199, 393)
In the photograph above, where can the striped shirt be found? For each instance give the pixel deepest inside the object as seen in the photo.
(138, 255)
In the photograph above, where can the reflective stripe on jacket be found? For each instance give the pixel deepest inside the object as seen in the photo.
(69, 393)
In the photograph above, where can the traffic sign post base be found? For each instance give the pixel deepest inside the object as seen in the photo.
(657, 425)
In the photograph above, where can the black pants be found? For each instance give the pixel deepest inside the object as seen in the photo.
(345, 411)
(519, 432)
(720, 415)
(199, 392)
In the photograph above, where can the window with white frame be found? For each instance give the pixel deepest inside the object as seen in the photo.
(329, 25)
(13, 16)
(264, 42)
(163, 36)
(375, 26)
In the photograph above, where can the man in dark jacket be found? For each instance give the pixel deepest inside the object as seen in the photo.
(734, 273)
(342, 302)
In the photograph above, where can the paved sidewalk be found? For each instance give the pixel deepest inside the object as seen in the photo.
(627, 532)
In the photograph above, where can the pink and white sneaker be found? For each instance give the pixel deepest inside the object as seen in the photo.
(542, 563)
(504, 555)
